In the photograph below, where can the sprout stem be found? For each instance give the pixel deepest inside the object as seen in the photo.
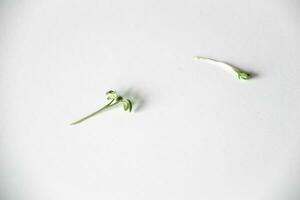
(115, 99)
(95, 113)
(240, 74)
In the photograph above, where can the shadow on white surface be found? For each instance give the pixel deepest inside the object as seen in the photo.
(138, 98)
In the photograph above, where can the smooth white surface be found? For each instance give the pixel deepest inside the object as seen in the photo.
(197, 133)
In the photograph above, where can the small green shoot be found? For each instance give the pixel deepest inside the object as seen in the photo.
(240, 74)
(115, 100)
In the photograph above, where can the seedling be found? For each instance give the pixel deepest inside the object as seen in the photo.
(115, 100)
(240, 74)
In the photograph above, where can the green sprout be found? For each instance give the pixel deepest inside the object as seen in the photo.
(240, 74)
(115, 100)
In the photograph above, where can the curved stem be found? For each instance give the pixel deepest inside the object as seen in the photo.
(240, 73)
(217, 61)
(110, 104)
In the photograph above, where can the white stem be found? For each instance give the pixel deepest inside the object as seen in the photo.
(218, 62)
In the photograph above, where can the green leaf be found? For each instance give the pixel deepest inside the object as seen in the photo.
(243, 75)
(127, 105)
(110, 95)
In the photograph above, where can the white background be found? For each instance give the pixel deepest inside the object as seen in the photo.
(196, 131)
